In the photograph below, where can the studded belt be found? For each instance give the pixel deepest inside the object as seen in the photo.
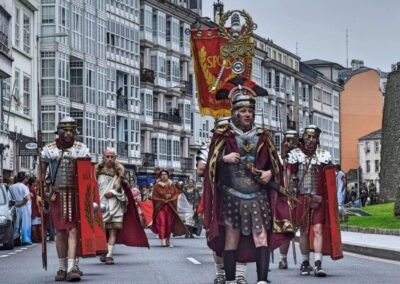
(241, 195)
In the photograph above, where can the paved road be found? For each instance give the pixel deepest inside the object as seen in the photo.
(188, 262)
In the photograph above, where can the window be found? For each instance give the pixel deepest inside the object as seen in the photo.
(277, 81)
(176, 150)
(17, 25)
(154, 146)
(27, 34)
(48, 121)
(25, 162)
(48, 15)
(377, 166)
(336, 102)
(27, 95)
(318, 95)
(4, 31)
(376, 146)
(327, 98)
(277, 142)
(169, 150)
(368, 166)
(367, 149)
(6, 87)
(48, 74)
(17, 98)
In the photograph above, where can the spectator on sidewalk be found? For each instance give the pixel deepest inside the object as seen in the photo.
(20, 193)
(341, 185)
(363, 194)
(36, 220)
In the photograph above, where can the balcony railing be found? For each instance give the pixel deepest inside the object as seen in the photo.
(4, 42)
(186, 164)
(122, 149)
(187, 87)
(147, 75)
(167, 117)
(122, 102)
(148, 159)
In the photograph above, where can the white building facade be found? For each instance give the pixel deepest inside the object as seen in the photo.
(19, 92)
(289, 90)
(166, 89)
(369, 155)
(92, 73)
(324, 108)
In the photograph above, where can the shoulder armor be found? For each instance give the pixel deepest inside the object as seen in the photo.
(51, 145)
(221, 129)
(324, 156)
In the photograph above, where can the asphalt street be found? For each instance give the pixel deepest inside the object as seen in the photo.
(189, 261)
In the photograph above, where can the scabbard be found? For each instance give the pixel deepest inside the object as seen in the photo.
(294, 251)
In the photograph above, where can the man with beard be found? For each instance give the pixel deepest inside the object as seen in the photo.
(59, 160)
(201, 162)
(240, 206)
(307, 163)
(111, 181)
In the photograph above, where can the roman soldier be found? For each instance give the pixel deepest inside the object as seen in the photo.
(241, 206)
(58, 159)
(307, 163)
(290, 142)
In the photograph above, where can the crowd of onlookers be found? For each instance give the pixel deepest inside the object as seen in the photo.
(23, 189)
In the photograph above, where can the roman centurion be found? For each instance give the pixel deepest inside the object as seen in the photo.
(58, 160)
(240, 206)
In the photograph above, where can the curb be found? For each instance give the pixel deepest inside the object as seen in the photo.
(371, 251)
(392, 232)
(368, 251)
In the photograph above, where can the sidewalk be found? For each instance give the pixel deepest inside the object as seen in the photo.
(381, 246)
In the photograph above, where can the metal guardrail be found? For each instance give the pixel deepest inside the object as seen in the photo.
(167, 117)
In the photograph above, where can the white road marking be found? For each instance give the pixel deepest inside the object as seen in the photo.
(192, 260)
(372, 258)
(19, 250)
(4, 255)
(11, 253)
(24, 248)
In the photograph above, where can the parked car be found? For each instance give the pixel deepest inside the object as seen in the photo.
(7, 218)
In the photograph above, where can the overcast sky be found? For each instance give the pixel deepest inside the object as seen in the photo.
(319, 27)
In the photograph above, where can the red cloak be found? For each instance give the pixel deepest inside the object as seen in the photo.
(267, 158)
(132, 232)
(159, 200)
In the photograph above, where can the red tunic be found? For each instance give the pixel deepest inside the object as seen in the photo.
(165, 217)
(35, 208)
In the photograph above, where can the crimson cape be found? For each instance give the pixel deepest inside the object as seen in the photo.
(223, 141)
(132, 232)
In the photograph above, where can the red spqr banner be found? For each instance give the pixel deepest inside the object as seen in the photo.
(208, 64)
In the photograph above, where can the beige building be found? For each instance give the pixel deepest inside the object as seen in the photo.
(361, 109)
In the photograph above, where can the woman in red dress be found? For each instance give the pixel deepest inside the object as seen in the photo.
(165, 217)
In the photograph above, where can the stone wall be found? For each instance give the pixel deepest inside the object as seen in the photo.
(390, 151)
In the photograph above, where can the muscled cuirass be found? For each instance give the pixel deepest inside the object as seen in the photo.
(237, 176)
(308, 174)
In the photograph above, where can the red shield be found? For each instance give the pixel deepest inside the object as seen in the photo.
(92, 237)
(332, 240)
